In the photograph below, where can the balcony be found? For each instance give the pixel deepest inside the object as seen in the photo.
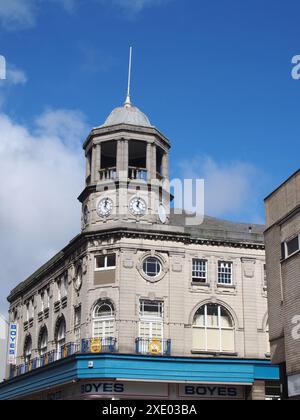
(108, 174)
(94, 346)
(135, 173)
(153, 346)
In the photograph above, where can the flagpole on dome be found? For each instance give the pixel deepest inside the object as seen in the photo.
(128, 103)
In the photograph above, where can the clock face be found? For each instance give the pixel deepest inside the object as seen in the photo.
(162, 214)
(105, 207)
(138, 206)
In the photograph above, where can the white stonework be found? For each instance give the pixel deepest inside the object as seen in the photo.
(82, 276)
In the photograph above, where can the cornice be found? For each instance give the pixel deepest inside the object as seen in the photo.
(81, 242)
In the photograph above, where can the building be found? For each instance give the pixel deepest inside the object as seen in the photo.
(139, 305)
(283, 272)
(3, 347)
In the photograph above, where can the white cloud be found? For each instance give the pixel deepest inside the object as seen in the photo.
(17, 13)
(14, 77)
(42, 172)
(21, 14)
(134, 7)
(231, 189)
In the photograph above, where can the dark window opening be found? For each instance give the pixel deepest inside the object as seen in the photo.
(109, 155)
(292, 246)
(138, 154)
(159, 160)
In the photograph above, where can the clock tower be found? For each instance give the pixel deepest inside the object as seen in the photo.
(127, 172)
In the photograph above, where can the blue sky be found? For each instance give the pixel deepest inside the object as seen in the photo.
(213, 75)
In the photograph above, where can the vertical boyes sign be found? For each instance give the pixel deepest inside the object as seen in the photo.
(12, 344)
(2, 68)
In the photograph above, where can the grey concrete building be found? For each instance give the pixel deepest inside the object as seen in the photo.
(283, 272)
(139, 305)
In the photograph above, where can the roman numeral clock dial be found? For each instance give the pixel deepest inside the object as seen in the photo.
(105, 207)
(138, 206)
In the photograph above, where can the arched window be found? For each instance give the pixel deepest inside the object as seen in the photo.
(43, 341)
(27, 349)
(213, 329)
(60, 334)
(104, 320)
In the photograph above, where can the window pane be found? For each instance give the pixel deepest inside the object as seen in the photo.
(292, 246)
(149, 330)
(100, 261)
(104, 329)
(212, 316)
(226, 321)
(228, 341)
(152, 267)
(199, 271)
(152, 309)
(77, 316)
(199, 341)
(213, 339)
(111, 260)
(225, 272)
(199, 319)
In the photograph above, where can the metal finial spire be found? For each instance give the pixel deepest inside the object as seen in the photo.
(128, 98)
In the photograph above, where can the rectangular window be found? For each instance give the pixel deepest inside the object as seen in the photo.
(29, 310)
(64, 287)
(47, 299)
(77, 323)
(42, 301)
(225, 272)
(151, 309)
(199, 274)
(104, 328)
(151, 319)
(105, 262)
(58, 284)
(292, 246)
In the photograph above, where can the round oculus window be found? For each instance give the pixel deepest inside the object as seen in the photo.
(152, 267)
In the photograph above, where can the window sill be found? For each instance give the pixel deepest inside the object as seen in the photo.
(105, 269)
(226, 286)
(199, 285)
(214, 353)
(290, 256)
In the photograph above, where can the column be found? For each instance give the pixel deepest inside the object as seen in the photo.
(125, 157)
(98, 162)
(149, 160)
(119, 156)
(258, 391)
(88, 166)
(94, 164)
(250, 312)
(165, 165)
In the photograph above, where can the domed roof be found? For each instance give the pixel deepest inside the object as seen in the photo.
(127, 114)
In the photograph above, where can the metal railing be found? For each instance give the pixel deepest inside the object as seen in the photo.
(101, 345)
(153, 346)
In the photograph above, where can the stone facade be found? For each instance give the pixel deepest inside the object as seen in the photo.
(208, 297)
(283, 259)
